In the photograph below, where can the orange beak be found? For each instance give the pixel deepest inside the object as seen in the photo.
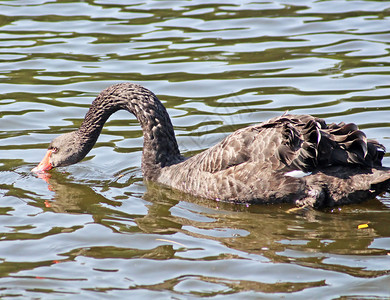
(45, 164)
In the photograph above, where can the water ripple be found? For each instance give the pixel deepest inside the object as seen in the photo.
(95, 229)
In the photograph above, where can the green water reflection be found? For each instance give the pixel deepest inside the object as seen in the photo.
(97, 230)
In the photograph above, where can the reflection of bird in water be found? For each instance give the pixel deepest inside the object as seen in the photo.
(75, 198)
(296, 159)
(72, 197)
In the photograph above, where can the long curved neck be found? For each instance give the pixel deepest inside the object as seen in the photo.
(160, 146)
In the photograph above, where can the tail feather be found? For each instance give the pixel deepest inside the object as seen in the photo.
(311, 144)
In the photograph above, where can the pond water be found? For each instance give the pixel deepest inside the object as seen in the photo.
(95, 230)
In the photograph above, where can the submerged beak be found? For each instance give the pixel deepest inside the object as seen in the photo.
(45, 164)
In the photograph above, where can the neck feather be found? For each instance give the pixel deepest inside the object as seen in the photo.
(160, 146)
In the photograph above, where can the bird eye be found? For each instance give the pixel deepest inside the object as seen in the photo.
(54, 149)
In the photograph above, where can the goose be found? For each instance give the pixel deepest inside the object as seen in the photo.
(296, 159)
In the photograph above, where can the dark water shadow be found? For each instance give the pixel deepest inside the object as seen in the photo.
(304, 237)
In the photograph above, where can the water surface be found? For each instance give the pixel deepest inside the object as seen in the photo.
(95, 230)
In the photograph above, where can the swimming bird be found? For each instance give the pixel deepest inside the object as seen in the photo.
(291, 158)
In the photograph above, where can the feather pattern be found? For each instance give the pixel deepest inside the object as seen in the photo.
(253, 164)
(336, 162)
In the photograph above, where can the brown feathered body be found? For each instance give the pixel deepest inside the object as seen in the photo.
(292, 158)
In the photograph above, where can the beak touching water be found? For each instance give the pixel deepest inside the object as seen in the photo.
(45, 164)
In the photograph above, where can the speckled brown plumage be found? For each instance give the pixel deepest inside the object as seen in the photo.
(336, 163)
